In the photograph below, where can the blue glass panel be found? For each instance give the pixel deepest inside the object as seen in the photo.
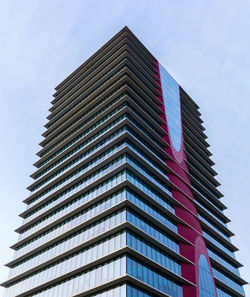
(206, 285)
(148, 190)
(119, 291)
(151, 210)
(75, 285)
(213, 225)
(222, 293)
(228, 281)
(171, 96)
(223, 261)
(152, 252)
(153, 278)
(218, 244)
(157, 233)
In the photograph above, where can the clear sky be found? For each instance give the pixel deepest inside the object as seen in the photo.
(203, 44)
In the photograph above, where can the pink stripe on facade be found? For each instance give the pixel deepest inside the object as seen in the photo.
(187, 212)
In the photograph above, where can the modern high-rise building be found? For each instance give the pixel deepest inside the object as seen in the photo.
(124, 200)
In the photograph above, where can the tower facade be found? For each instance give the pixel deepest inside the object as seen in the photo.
(124, 200)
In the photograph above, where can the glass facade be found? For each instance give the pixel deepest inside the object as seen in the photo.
(84, 123)
(227, 280)
(82, 198)
(136, 292)
(213, 226)
(219, 244)
(153, 253)
(113, 292)
(101, 217)
(222, 293)
(155, 232)
(171, 96)
(206, 285)
(72, 262)
(153, 278)
(85, 281)
(222, 261)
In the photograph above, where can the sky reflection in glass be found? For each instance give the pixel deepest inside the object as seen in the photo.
(171, 96)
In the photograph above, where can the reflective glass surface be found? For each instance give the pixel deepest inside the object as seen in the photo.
(83, 124)
(223, 261)
(149, 190)
(85, 281)
(83, 235)
(210, 211)
(218, 244)
(228, 281)
(82, 135)
(152, 252)
(82, 198)
(119, 291)
(136, 292)
(47, 192)
(171, 96)
(29, 230)
(55, 215)
(74, 223)
(147, 144)
(206, 285)
(93, 150)
(213, 225)
(153, 278)
(147, 159)
(89, 179)
(43, 222)
(82, 156)
(151, 210)
(72, 262)
(202, 184)
(153, 231)
(46, 254)
(146, 129)
(87, 154)
(56, 118)
(222, 293)
(142, 169)
(85, 133)
(44, 237)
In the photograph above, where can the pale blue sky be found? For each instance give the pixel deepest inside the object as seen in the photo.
(203, 44)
